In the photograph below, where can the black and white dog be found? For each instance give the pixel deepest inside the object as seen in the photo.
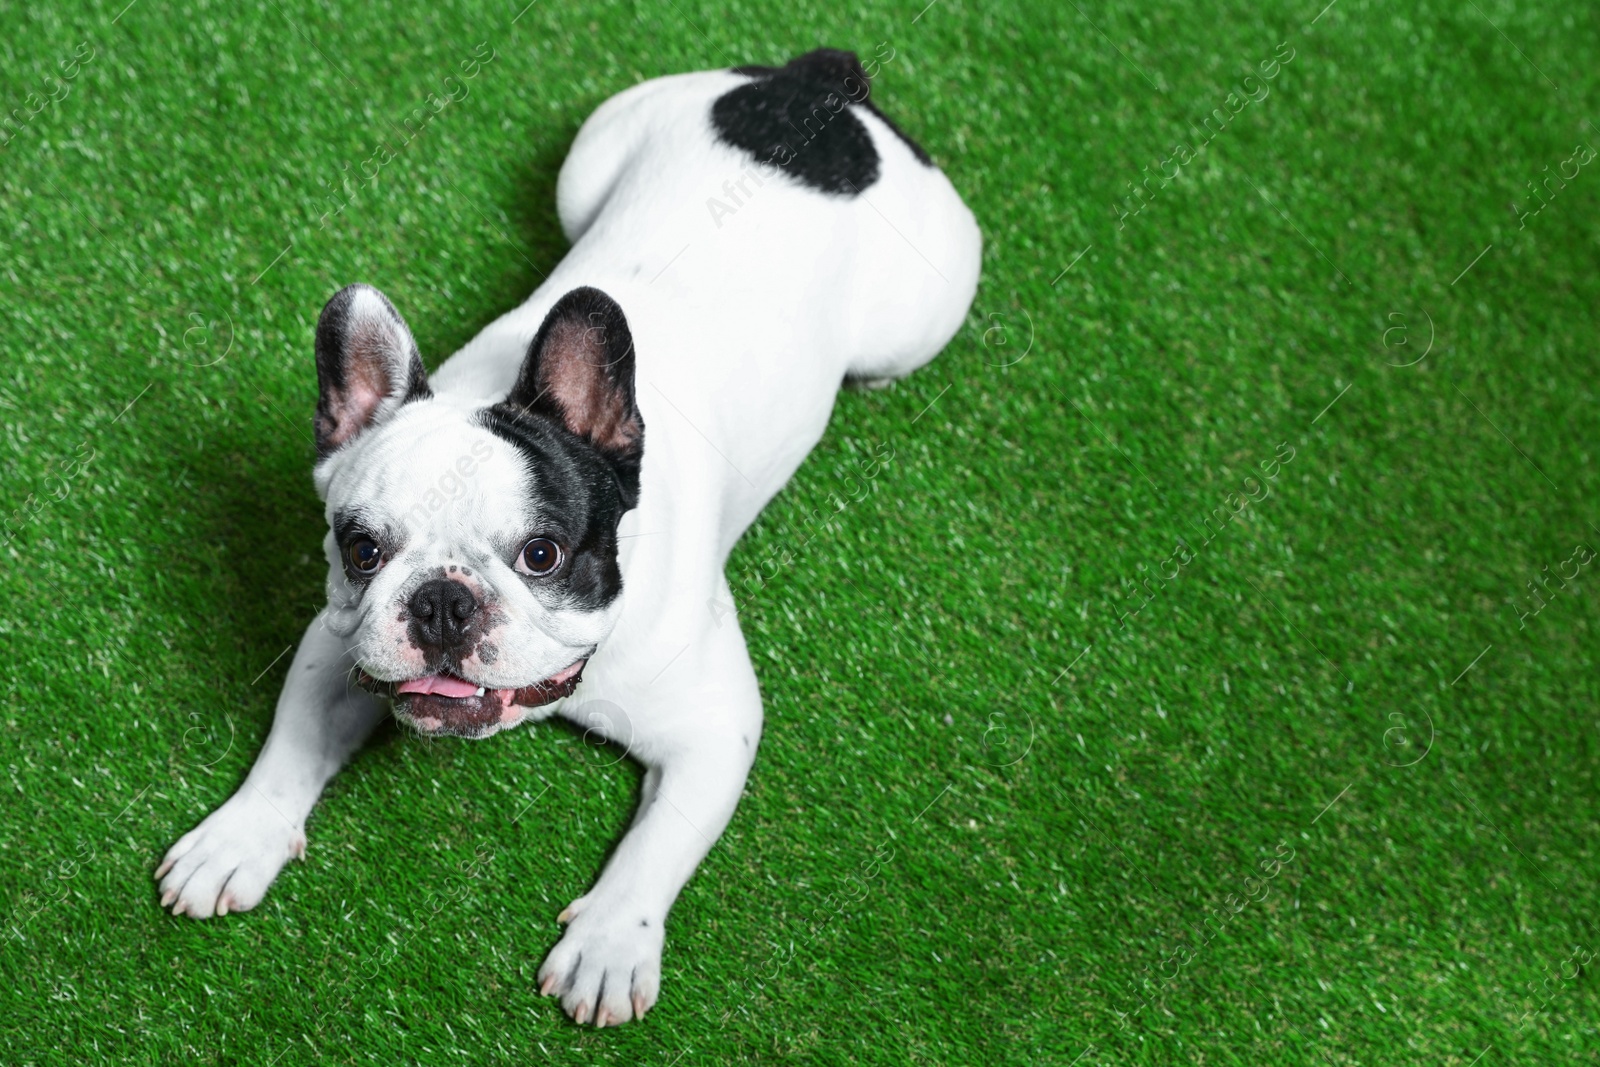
(540, 527)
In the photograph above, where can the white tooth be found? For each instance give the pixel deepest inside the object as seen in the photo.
(479, 692)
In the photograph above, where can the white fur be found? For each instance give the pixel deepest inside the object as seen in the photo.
(459, 492)
(744, 326)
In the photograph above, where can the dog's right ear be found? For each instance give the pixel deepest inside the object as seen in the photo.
(367, 365)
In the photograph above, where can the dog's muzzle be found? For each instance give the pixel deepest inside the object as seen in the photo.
(445, 704)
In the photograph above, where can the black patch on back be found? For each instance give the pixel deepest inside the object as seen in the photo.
(578, 490)
(799, 117)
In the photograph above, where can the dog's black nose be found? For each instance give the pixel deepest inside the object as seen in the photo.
(441, 611)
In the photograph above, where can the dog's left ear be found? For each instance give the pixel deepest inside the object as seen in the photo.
(579, 371)
(367, 365)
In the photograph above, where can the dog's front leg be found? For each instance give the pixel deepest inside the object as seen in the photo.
(607, 966)
(228, 861)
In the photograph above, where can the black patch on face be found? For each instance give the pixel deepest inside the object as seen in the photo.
(577, 489)
(579, 372)
(798, 117)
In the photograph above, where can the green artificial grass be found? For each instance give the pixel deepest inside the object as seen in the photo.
(1007, 807)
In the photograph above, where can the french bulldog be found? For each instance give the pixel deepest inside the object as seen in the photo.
(540, 526)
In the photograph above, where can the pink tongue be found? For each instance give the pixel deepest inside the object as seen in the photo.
(439, 685)
(567, 673)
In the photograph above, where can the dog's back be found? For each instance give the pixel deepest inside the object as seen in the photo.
(793, 189)
(770, 234)
(773, 210)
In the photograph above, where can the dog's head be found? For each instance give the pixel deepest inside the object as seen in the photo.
(472, 549)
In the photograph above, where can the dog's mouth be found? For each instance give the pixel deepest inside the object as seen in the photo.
(446, 704)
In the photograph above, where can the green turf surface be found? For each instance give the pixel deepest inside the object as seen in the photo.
(1049, 863)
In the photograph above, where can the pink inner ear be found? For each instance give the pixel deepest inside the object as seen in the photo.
(574, 373)
(366, 383)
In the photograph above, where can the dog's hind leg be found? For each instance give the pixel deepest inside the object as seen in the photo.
(605, 141)
(918, 267)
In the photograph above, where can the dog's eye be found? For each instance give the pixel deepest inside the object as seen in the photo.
(364, 555)
(539, 557)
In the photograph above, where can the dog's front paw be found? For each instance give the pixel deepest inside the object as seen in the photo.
(607, 967)
(228, 861)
